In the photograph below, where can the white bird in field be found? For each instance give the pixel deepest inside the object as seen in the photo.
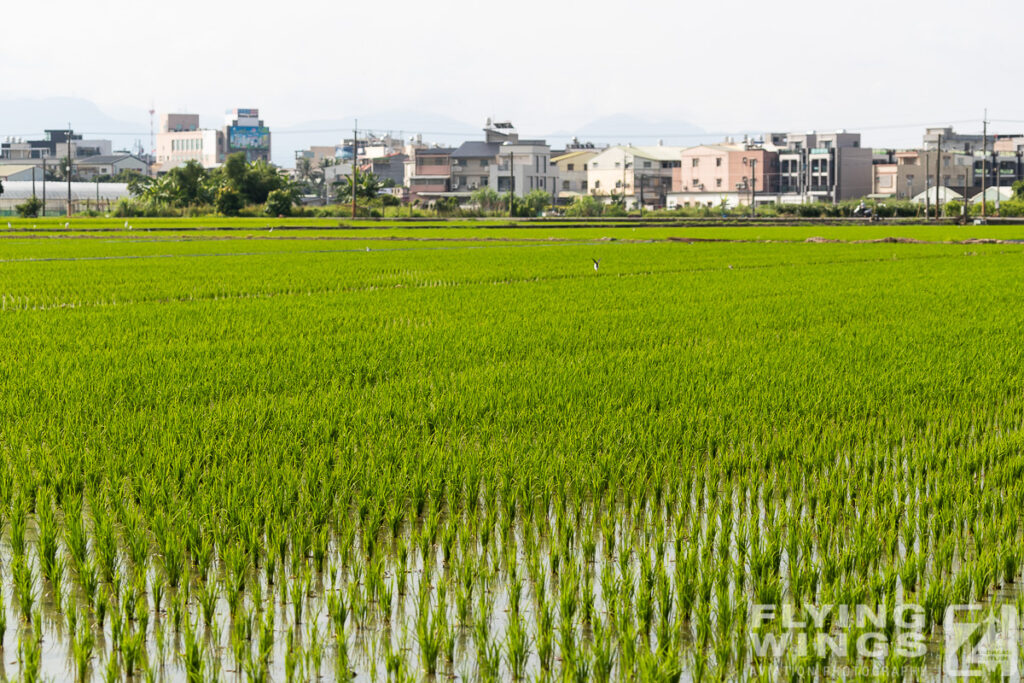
(271, 230)
(597, 262)
(8, 225)
(367, 249)
(126, 224)
(67, 225)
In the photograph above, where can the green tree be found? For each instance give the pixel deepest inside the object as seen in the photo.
(584, 207)
(487, 198)
(1018, 190)
(279, 202)
(535, 202)
(31, 207)
(368, 186)
(229, 201)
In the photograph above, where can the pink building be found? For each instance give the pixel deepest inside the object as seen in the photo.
(431, 173)
(710, 171)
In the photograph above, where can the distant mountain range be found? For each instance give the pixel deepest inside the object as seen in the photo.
(28, 118)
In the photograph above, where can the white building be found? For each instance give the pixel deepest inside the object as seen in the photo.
(181, 140)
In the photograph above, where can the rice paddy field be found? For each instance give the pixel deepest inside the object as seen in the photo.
(461, 452)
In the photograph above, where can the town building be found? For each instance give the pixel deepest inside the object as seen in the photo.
(821, 167)
(523, 166)
(181, 140)
(15, 172)
(430, 173)
(472, 163)
(244, 131)
(726, 174)
(109, 165)
(55, 144)
(634, 173)
(907, 173)
(571, 167)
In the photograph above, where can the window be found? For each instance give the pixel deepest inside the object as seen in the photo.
(597, 184)
(595, 164)
(618, 183)
(718, 182)
(695, 162)
(583, 185)
(718, 161)
(647, 164)
(696, 183)
(617, 164)
(484, 163)
(565, 184)
(570, 167)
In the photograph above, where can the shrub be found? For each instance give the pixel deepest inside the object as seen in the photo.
(279, 203)
(31, 207)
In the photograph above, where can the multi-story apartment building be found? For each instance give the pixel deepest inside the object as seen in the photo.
(635, 173)
(821, 167)
(571, 168)
(472, 163)
(430, 173)
(55, 144)
(181, 140)
(523, 166)
(905, 174)
(244, 131)
(736, 174)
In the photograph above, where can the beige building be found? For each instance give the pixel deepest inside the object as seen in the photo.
(572, 168)
(906, 174)
(632, 172)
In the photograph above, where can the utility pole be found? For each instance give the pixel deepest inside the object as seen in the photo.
(928, 179)
(69, 169)
(998, 167)
(984, 163)
(44, 187)
(511, 184)
(753, 184)
(641, 191)
(938, 170)
(965, 209)
(355, 159)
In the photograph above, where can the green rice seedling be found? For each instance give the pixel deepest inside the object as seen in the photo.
(46, 524)
(133, 648)
(100, 609)
(602, 653)
(112, 671)
(57, 572)
(3, 620)
(30, 654)
(192, 655)
(207, 595)
(24, 587)
(82, 647)
(19, 521)
(545, 638)
(88, 579)
(517, 646)
(428, 636)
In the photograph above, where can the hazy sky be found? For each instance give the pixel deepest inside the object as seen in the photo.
(884, 67)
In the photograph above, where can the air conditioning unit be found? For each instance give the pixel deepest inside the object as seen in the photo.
(472, 186)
